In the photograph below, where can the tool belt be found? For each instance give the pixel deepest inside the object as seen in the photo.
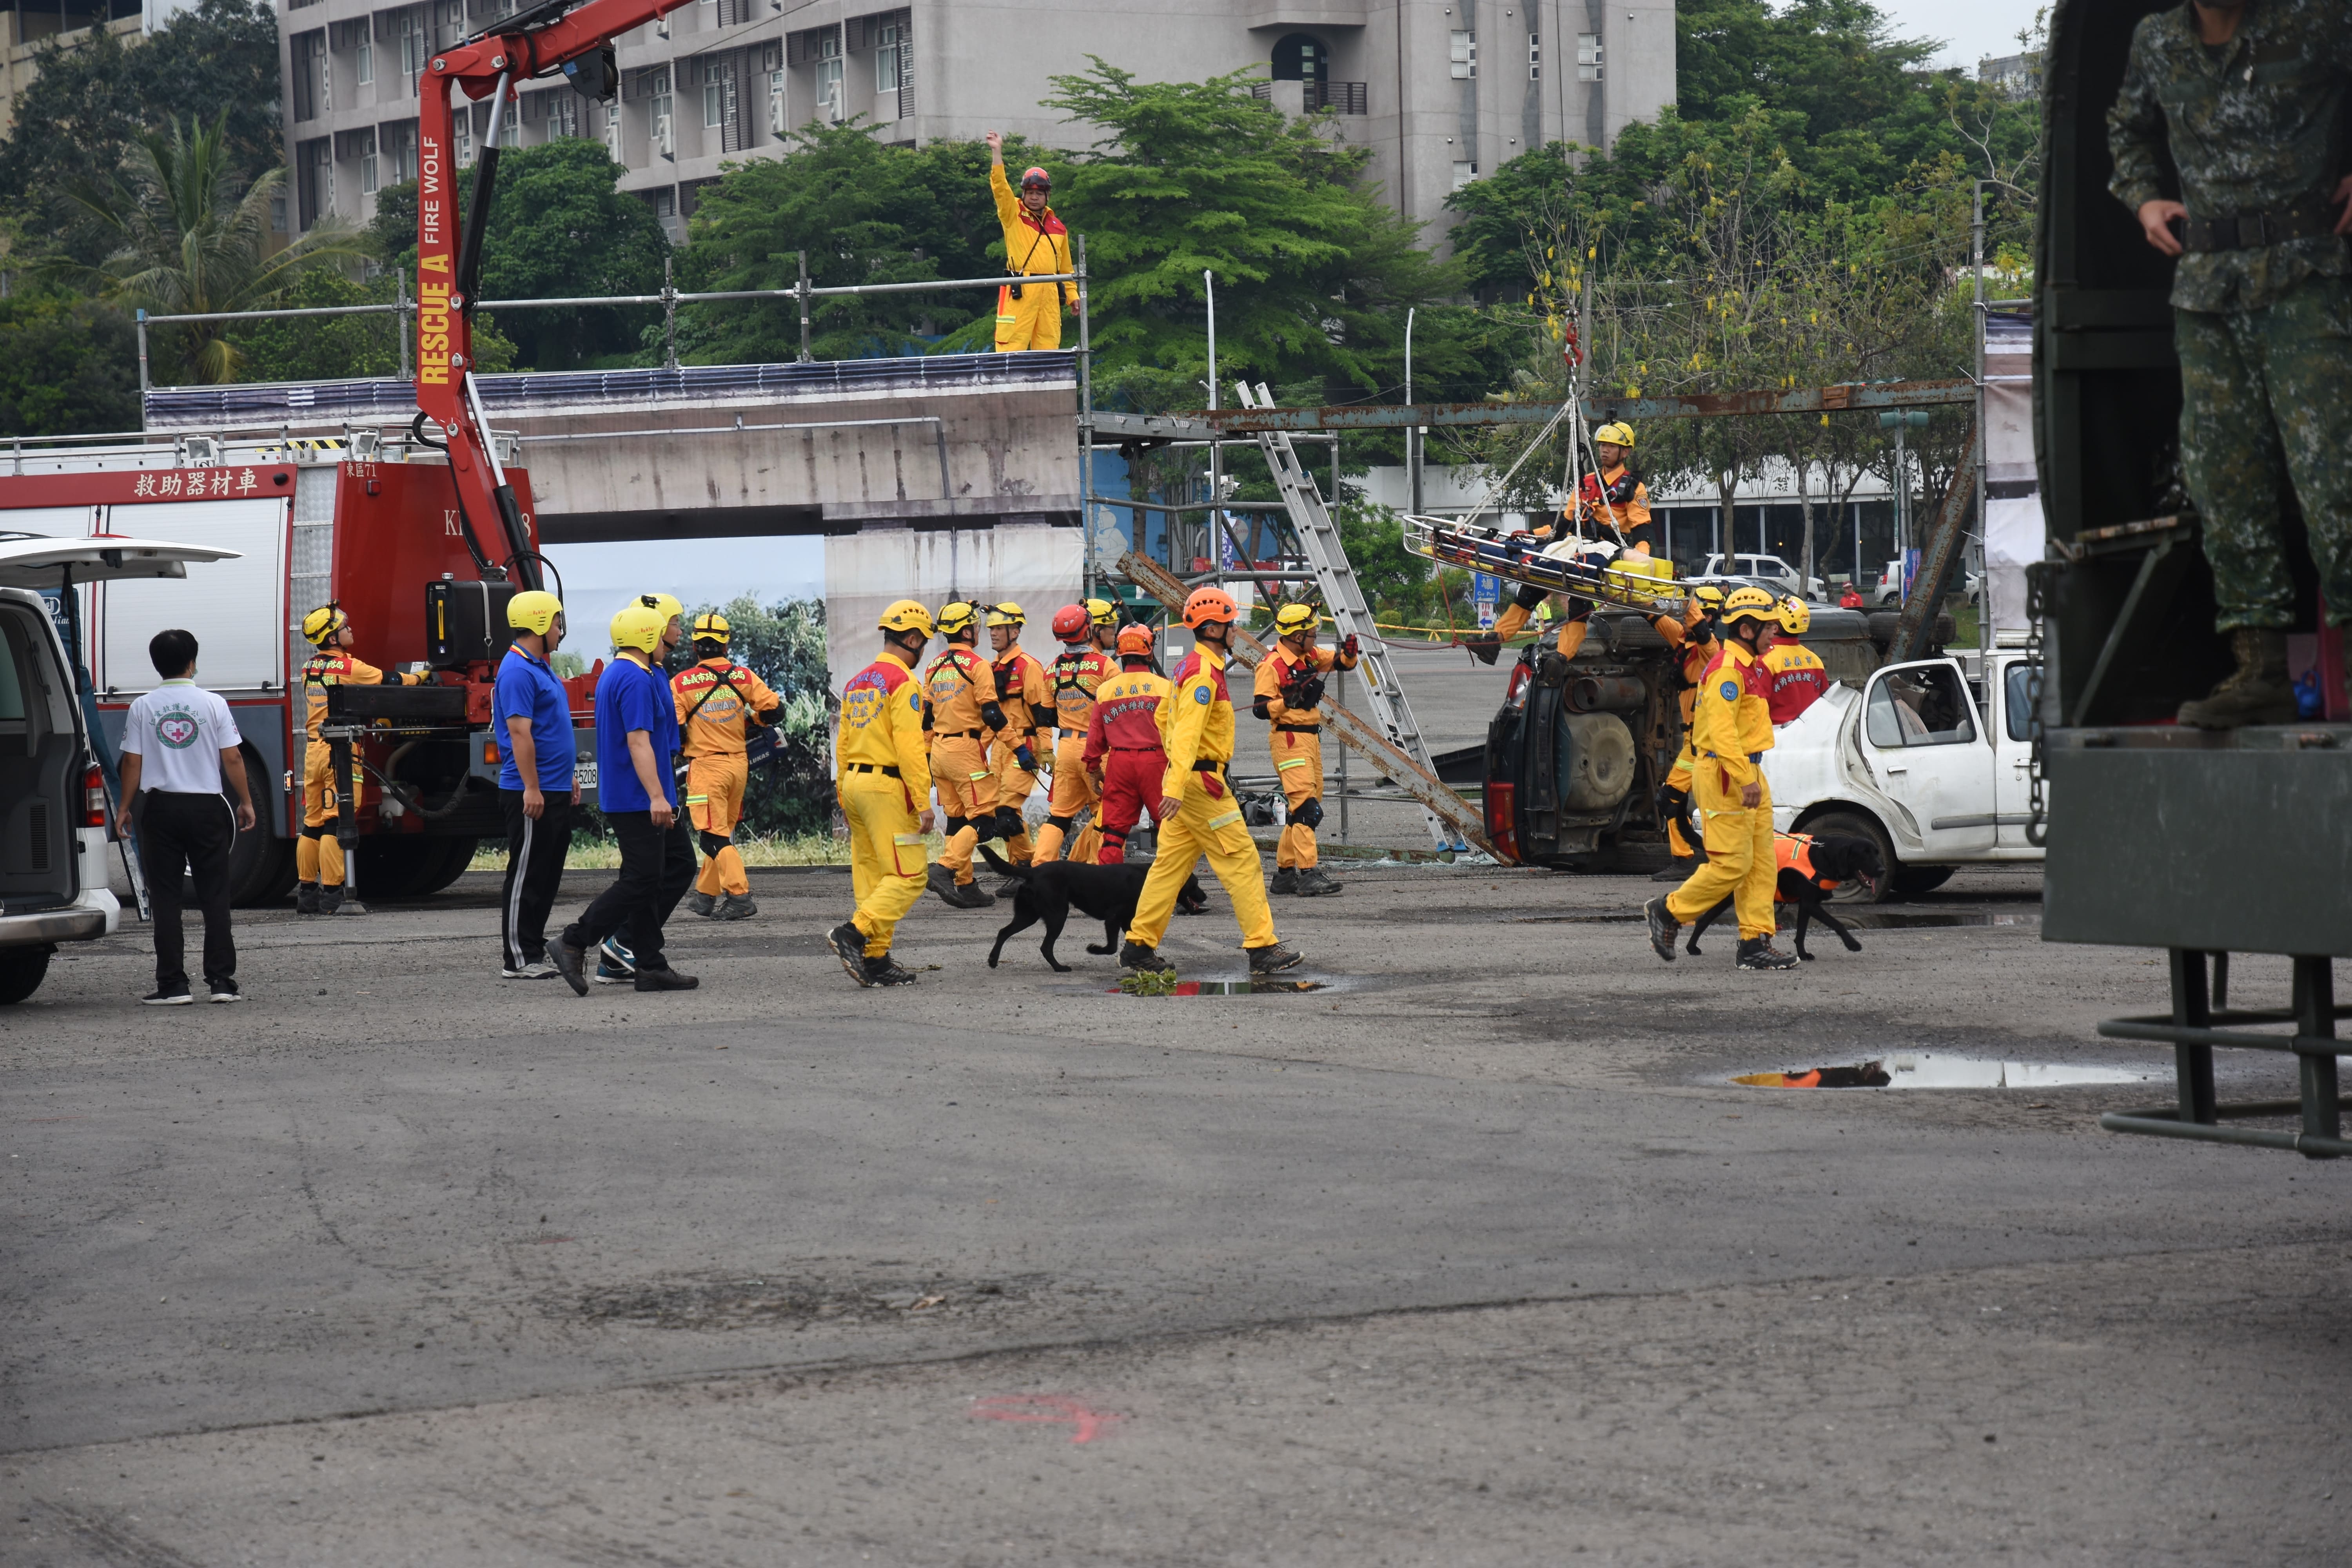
(1297, 728)
(887, 772)
(2253, 230)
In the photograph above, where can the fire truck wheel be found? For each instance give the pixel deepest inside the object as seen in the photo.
(261, 865)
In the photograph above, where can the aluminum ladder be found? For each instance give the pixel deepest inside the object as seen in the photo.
(1318, 538)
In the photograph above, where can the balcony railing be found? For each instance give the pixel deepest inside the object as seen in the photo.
(1339, 97)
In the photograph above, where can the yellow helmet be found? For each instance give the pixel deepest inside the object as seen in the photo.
(711, 626)
(906, 616)
(1007, 613)
(670, 608)
(956, 617)
(1795, 616)
(1708, 596)
(1617, 434)
(323, 623)
(1293, 618)
(533, 611)
(1748, 604)
(1101, 613)
(640, 626)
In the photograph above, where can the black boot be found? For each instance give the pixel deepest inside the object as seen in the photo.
(1484, 647)
(306, 898)
(2256, 693)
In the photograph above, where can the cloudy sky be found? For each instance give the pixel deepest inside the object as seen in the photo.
(1971, 29)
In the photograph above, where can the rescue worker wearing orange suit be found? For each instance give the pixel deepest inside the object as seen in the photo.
(882, 780)
(1023, 693)
(960, 707)
(718, 701)
(1612, 506)
(1288, 689)
(1698, 640)
(1197, 810)
(318, 853)
(1029, 315)
(1078, 672)
(1731, 728)
(1798, 676)
(1123, 750)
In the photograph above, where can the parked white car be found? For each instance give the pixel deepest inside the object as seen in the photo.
(1889, 592)
(1936, 777)
(1769, 569)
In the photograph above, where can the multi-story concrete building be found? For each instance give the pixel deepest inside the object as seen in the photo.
(27, 26)
(1440, 92)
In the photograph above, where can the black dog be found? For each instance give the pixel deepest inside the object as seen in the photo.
(1108, 893)
(1841, 858)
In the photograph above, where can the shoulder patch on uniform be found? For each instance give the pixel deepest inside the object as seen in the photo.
(1201, 696)
(1729, 691)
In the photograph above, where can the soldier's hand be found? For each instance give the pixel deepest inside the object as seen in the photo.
(533, 802)
(2156, 222)
(1751, 796)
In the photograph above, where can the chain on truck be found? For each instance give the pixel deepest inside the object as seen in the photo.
(421, 535)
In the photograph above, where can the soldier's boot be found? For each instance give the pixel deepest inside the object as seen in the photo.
(1316, 882)
(1285, 880)
(1678, 871)
(2257, 692)
(701, 903)
(1484, 647)
(306, 898)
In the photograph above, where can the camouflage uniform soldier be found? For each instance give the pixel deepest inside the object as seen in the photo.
(2244, 96)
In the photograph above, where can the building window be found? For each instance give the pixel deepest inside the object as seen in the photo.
(714, 93)
(613, 133)
(1464, 173)
(1588, 57)
(665, 215)
(664, 133)
(779, 117)
(412, 47)
(1535, 57)
(887, 50)
(363, 61)
(1465, 56)
(369, 183)
(1298, 58)
(461, 135)
(562, 114)
(829, 94)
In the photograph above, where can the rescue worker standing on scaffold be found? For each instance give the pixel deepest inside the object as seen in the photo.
(1029, 315)
(1078, 672)
(718, 701)
(883, 784)
(318, 871)
(1610, 507)
(1288, 693)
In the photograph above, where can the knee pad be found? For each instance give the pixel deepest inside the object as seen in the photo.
(315, 833)
(1308, 813)
(1530, 595)
(1114, 835)
(1007, 823)
(712, 843)
(956, 825)
(1062, 822)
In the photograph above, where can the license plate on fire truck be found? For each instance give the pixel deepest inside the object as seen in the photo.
(585, 776)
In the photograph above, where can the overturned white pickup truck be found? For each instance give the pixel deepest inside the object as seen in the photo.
(1933, 772)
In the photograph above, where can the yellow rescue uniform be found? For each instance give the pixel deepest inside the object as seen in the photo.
(1076, 676)
(956, 688)
(1614, 503)
(1296, 743)
(1036, 246)
(882, 780)
(1196, 731)
(1731, 731)
(717, 702)
(1021, 692)
(318, 853)
(1696, 656)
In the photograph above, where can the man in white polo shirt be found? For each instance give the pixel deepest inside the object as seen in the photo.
(179, 745)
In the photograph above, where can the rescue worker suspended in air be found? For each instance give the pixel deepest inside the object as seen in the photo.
(1015, 746)
(1611, 507)
(960, 709)
(1078, 672)
(1036, 244)
(1698, 642)
(319, 866)
(1731, 728)
(1798, 676)
(1123, 751)
(1288, 693)
(1197, 809)
(882, 782)
(718, 701)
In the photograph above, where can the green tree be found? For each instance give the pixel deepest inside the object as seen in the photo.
(68, 366)
(784, 644)
(189, 237)
(327, 348)
(561, 228)
(81, 119)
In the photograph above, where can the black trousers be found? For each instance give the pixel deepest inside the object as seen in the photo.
(187, 835)
(535, 851)
(657, 869)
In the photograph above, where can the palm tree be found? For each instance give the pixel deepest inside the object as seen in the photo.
(188, 241)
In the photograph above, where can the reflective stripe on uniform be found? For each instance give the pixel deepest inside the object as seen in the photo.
(907, 838)
(1294, 763)
(1227, 820)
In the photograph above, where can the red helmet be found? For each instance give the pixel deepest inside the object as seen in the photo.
(1135, 639)
(1209, 605)
(1036, 177)
(1070, 623)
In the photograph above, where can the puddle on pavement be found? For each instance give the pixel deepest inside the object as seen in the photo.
(1936, 1069)
(1912, 919)
(1234, 988)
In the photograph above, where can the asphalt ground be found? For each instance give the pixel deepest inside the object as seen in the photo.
(1472, 1255)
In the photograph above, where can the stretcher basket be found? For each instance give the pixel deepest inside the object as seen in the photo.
(1520, 558)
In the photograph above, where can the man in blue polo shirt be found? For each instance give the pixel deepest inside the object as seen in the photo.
(538, 781)
(636, 739)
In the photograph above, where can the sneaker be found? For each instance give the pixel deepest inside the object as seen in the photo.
(849, 946)
(886, 971)
(664, 979)
(614, 955)
(1663, 927)
(537, 969)
(1274, 959)
(1758, 952)
(1137, 959)
(176, 997)
(570, 963)
(1284, 880)
(306, 898)
(1676, 871)
(734, 907)
(612, 974)
(702, 904)
(1316, 882)
(224, 990)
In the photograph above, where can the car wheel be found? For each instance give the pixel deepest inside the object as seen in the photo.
(1914, 880)
(1859, 825)
(22, 970)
